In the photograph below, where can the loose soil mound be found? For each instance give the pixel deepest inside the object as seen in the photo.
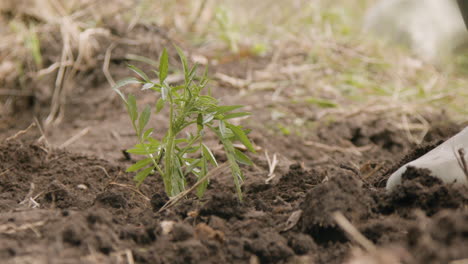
(60, 207)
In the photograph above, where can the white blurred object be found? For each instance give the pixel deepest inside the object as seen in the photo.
(443, 162)
(432, 29)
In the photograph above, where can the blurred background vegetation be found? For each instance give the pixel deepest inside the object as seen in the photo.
(310, 55)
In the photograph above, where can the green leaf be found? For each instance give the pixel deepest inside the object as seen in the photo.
(139, 149)
(122, 83)
(207, 118)
(200, 121)
(139, 164)
(148, 133)
(141, 176)
(139, 72)
(141, 59)
(164, 93)
(132, 107)
(163, 66)
(144, 118)
(159, 105)
(147, 86)
(242, 158)
(183, 59)
(241, 136)
(222, 128)
(227, 108)
(209, 155)
(235, 115)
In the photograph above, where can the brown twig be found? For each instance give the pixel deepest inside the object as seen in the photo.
(353, 232)
(75, 137)
(21, 132)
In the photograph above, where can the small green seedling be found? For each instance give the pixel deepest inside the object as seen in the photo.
(191, 113)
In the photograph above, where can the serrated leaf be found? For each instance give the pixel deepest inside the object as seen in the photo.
(163, 66)
(141, 175)
(139, 164)
(209, 155)
(147, 86)
(241, 136)
(242, 158)
(159, 105)
(139, 72)
(132, 107)
(144, 118)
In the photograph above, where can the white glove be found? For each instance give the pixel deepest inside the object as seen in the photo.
(443, 162)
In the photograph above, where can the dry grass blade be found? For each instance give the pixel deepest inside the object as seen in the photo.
(21, 132)
(174, 200)
(75, 137)
(353, 232)
(355, 151)
(12, 228)
(43, 136)
(130, 187)
(271, 167)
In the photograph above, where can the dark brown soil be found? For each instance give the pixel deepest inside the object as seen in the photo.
(78, 205)
(60, 207)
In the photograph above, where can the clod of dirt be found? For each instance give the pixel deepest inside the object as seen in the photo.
(114, 200)
(441, 239)
(58, 194)
(181, 232)
(140, 235)
(88, 230)
(224, 205)
(270, 247)
(158, 200)
(301, 243)
(342, 193)
(420, 190)
(205, 232)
